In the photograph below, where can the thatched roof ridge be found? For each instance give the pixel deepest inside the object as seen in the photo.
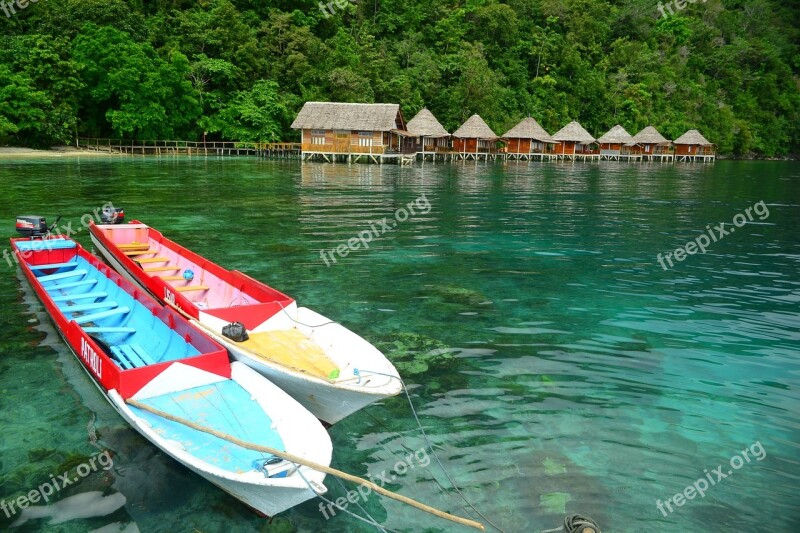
(528, 129)
(573, 132)
(649, 135)
(475, 128)
(616, 135)
(424, 124)
(692, 137)
(345, 116)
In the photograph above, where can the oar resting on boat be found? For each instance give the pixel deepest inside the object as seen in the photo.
(310, 464)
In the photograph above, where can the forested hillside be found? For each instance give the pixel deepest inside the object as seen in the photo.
(240, 70)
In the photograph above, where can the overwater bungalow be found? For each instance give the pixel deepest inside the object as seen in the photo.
(475, 140)
(427, 136)
(334, 131)
(529, 141)
(575, 143)
(692, 146)
(652, 146)
(614, 145)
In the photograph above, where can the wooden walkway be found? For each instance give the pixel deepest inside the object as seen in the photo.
(191, 148)
(376, 155)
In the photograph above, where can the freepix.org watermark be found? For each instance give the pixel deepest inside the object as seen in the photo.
(423, 207)
(65, 229)
(328, 9)
(44, 491)
(8, 6)
(716, 475)
(679, 4)
(420, 457)
(717, 233)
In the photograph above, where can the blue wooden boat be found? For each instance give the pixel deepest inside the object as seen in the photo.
(137, 350)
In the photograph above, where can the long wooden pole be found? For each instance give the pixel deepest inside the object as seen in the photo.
(311, 464)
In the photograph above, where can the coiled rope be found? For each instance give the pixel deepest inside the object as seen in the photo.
(576, 524)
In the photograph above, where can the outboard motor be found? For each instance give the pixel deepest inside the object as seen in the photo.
(112, 215)
(34, 226)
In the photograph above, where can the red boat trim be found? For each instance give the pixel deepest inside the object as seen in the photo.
(213, 357)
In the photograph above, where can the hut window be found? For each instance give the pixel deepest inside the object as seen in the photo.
(317, 136)
(365, 138)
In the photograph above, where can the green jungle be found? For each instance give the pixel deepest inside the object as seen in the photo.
(240, 70)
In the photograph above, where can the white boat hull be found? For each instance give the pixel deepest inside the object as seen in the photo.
(268, 496)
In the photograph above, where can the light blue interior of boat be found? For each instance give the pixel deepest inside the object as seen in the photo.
(136, 337)
(224, 406)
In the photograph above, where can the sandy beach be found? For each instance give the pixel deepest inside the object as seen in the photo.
(9, 152)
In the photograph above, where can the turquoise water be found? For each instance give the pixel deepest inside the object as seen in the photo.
(555, 365)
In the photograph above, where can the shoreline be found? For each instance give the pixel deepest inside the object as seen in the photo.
(17, 152)
(14, 152)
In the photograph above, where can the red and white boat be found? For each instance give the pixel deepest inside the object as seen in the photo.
(134, 348)
(327, 368)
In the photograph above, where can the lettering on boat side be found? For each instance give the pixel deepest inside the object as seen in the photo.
(91, 358)
(169, 296)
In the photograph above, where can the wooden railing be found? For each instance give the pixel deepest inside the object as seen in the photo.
(175, 146)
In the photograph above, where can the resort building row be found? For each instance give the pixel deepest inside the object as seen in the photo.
(378, 132)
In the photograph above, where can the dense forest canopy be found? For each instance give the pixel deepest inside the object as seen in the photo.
(240, 70)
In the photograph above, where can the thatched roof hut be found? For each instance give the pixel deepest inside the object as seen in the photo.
(616, 135)
(529, 129)
(424, 124)
(475, 128)
(649, 135)
(575, 133)
(692, 137)
(352, 117)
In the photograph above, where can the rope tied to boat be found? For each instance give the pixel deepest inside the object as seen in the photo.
(307, 463)
(430, 445)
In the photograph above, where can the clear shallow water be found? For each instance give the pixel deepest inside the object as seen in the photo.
(558, 367)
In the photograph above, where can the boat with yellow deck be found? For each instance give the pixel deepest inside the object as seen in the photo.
(327, 368)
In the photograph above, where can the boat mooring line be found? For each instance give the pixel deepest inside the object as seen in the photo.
(371, 521)
(435, 455)
(308, 463)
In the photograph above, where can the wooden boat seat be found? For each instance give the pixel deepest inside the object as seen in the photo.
(96, 329)
(53, 266)
(173, 278)
(134, 246)
(152, 260)
(84, 296)
(189, 288)
(89, 307)
(102, 314)
(291, 348)
(132, 356)
(62, 275)
(140, 252)
(71, 285)
(161, 269)
(120, 358)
